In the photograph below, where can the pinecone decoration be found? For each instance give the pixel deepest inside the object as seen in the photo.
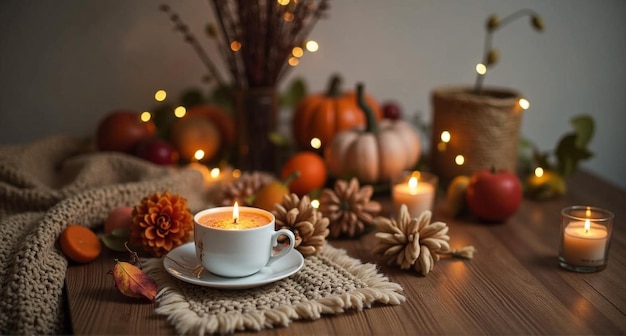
(306, 223)
(242, 189)
(412, 242)
(348, 208)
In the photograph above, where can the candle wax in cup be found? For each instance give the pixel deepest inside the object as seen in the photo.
(584, 247)
(224, 220)
(417, 199)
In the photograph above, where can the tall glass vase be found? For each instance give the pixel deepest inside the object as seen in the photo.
(256, 111)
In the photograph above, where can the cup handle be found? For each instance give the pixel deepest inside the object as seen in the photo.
(283, 252)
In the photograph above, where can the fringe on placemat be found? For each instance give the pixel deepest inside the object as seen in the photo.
(173, 304)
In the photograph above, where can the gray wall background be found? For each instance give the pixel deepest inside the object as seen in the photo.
(65, 64)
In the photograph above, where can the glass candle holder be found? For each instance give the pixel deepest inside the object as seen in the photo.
(585, 238)
(415, 189)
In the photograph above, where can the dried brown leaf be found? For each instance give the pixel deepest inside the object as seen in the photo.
(131, 281)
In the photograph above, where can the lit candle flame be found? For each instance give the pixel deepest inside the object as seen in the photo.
(413, 182)
(587, 226)
(539, 172)
(235, 213)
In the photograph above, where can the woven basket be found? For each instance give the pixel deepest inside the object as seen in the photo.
(484, 129)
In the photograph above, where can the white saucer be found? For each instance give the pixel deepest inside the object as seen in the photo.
(182, 264)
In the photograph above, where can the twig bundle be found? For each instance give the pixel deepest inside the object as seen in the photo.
(257, 37)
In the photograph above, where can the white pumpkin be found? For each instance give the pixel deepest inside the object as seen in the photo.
(373, 153)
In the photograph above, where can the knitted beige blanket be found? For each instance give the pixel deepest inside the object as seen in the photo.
(47, 185)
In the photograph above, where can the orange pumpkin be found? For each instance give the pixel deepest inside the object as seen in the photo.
(219, 118)
(373, 153)
(323, 115)
(192, 133)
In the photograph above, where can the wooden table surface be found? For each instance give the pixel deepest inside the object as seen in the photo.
(513, 285)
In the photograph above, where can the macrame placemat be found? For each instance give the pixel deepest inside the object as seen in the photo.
(329, 283)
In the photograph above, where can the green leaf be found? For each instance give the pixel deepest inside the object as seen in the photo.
(541, 159)
(122, 232)
(525, 144)
(569, 154)
(222, 96)
(116, 239)
(584, 129)
(525, 152)
(278, 139)
(294, 93)
(163, 117)
(192, 97)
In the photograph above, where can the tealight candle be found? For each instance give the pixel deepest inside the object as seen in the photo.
(231, 218)
(213, 175)
(585, 236)
(213, 178)
(414, 189)
(239, 241)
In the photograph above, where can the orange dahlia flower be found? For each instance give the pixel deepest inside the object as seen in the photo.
(161, 223)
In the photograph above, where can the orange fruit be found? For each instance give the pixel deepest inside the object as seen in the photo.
(80, 244)
(312, 171)
(456, 194)
(274, 192)
(269, 195)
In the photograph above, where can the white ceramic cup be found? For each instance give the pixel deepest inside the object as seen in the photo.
(237, 251)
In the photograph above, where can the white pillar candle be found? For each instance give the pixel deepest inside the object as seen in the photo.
(416, 193)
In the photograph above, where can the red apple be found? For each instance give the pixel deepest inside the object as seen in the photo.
(492, 195)
(122, 131)
(157, 151)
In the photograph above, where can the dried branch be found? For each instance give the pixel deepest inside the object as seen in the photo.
(266, 30)
(190, 38)
(494, 23)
